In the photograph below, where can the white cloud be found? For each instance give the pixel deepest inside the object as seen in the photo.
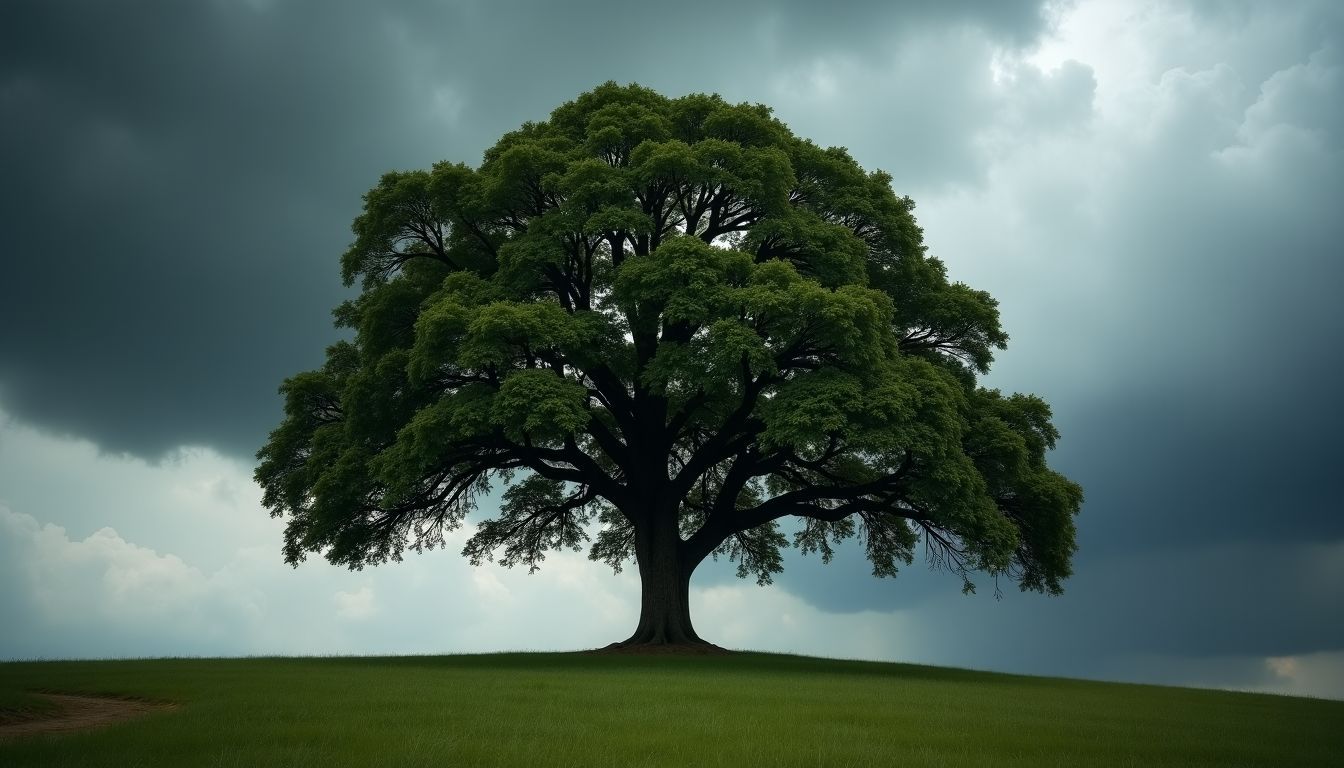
(1286, 126)
(356, 605)
(1146, 231)
(748, 617)
(196, 503)
(1319, 674)
(132, 582)
(103, 595)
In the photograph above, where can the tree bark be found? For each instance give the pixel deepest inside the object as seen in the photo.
(665, 584)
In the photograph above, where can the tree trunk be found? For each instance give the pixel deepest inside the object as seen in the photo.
(665, 584)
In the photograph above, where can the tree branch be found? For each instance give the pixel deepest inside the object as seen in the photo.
(737, 432)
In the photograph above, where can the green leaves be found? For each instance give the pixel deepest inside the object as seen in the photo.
(746, 126)
(673, 162)
(511, 178)
(418, 215)
(760, 174)
(756, 552)
(1008, 446)
(808, 409)
(535, 516)
(431, 439)
(617, 128)
(829, 253)
(536, 404)
(501, 332)
(685, 280)
(524, 264)
(663, 311)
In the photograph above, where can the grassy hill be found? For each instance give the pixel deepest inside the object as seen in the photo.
(590, 710)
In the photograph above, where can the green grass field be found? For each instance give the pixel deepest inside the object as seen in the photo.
(581, 710)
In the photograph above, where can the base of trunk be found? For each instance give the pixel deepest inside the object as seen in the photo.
(697, 648)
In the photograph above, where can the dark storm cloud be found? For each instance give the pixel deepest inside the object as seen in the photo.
(1173, 599)
(1212, 414)
(180, 176)
(1198, 350)
(177, 183)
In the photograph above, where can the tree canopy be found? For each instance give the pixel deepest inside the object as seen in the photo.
(668, 324)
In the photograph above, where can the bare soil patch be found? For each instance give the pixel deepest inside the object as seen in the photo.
(81, 713)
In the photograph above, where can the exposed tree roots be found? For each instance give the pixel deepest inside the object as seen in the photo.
(698, 648)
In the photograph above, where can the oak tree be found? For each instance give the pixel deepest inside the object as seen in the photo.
(667, 324)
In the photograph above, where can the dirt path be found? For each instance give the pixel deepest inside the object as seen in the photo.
(81, 713)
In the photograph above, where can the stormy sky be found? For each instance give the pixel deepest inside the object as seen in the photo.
(1151, 191)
